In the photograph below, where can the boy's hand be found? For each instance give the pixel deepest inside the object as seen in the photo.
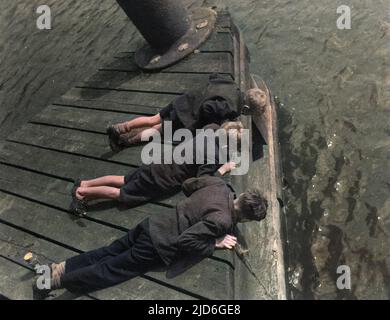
(226, 242)
(227, 167)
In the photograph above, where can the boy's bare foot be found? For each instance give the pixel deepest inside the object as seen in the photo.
(76, 185)
(78, 205)
(79, 195)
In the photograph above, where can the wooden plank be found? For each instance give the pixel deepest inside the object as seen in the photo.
(66, 166)
(14, 244)
(84, 119)
(209, 62)
(267, 259)
(56, 193)
(54, 224)
(218, 42)
(15, 281)
(209, 278)
(75, 142)
(120, 101)
(224, 20)
(146, 82)
(87, 235)
(260, 238)
(17, 243)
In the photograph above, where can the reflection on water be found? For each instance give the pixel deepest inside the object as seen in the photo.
(334, 127)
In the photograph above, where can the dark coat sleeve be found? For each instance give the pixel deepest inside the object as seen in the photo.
(166, 112)
(193, 184)
(217, 111)
(200, 238)
(212, 162)
(209, 170)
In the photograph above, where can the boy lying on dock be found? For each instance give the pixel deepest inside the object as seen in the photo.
(153, 181)
(175, 242)
(218, 102)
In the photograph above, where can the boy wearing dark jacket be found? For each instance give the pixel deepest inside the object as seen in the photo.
(219, 101)
(178, 241)
(153, 181)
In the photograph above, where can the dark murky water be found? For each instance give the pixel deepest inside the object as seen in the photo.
(335, 123)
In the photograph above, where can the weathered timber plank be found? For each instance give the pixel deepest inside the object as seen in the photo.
(15, 281)
(81, 234)
(76, 142)
(15, 243)
(66, 166)
(56, 193)
(160, 82)
(264, 239)
(76, 118)
(209, 62)
(46, 251)
(218, 42)
(122, 101)
(224, 20)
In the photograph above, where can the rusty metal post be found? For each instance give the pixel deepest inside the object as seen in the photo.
(171, 31)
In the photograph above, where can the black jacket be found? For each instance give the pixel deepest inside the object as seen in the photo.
(218, 101)
(184, 239)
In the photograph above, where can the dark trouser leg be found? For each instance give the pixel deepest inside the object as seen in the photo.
(137, 260)
(139, 187)
(89, 258)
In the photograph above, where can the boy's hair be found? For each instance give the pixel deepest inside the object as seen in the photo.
(250, 99)
(234, 131)
(254, 205)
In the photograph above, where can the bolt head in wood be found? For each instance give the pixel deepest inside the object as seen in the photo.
(155, 59)
(202, 25)
(183, 47)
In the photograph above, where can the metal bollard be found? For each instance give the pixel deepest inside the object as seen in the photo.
(170, 30)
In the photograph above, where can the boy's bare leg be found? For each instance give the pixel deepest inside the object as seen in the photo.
(108, 181)
(138, 122)
(93, 193)
(107, 187)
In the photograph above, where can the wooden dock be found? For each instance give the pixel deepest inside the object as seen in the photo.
(67, 140)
